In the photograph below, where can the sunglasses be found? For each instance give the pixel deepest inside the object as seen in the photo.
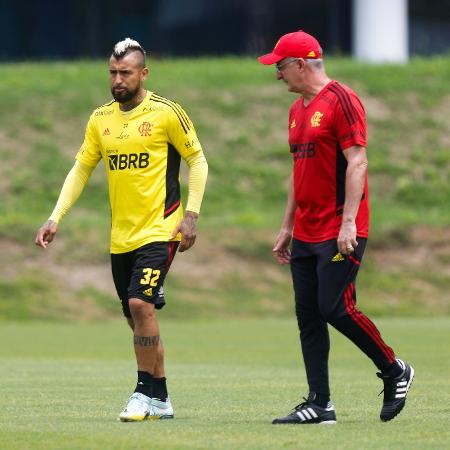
(280, 66)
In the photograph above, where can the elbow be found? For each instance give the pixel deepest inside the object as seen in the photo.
(361, 165)
(358, 168)
(364, 165)
(204, 165)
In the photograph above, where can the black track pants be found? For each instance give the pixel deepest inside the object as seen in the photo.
(324, 285)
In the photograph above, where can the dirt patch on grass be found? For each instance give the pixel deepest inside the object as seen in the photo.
(17, 259)
(212, 267)
(376, 108)
(428, 251)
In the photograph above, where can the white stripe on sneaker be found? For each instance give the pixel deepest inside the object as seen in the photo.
(306, 414)
(313, 413)
(299, 414)
(401, 363)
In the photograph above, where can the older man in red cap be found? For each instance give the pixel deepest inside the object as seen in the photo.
(326, 225)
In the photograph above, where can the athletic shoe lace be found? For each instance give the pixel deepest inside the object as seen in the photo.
(302, 405)
(389, 383)
(135, 403)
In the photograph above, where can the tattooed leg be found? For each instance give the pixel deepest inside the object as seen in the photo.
(158, 371)
(146, 334)
(146, 341)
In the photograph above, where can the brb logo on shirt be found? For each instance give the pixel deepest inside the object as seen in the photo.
(306, 150)
(128, 161)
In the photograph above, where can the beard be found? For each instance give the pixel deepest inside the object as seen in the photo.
(124, 96)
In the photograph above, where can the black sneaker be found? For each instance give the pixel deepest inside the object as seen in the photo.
(395, 391)
(309, 413)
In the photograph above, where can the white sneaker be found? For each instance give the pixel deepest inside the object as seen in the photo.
(160, 410)
(138, 408)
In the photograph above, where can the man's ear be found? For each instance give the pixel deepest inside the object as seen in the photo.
(144, 73)
(301, 63)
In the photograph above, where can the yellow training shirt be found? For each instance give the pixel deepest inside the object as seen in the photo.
(141, 150)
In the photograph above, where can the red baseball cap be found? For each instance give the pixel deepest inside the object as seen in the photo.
(298, 45)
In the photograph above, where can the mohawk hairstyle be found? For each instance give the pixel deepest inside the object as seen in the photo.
(125, 46)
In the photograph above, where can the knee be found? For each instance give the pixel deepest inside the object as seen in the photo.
(305, 316)
(130, 322)
(329, 313)
(141, 310)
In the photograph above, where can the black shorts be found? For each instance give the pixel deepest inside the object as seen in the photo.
(141, 273)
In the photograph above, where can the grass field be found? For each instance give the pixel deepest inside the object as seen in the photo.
(62, 386)
(240, 112)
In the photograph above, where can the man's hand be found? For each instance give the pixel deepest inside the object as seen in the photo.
(46, 234)
(346, 241)
(188, 229)
(281, 249)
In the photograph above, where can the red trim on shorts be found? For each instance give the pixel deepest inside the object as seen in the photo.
(172, 248)
(367, 325)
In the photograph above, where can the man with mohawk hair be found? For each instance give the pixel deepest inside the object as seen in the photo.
(141, 138)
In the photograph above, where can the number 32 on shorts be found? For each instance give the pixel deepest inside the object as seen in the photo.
(151, 277)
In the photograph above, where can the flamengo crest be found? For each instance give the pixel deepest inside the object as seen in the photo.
(145, 128)
(316, 118)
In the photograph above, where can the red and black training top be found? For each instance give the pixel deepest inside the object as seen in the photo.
(318, 134)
